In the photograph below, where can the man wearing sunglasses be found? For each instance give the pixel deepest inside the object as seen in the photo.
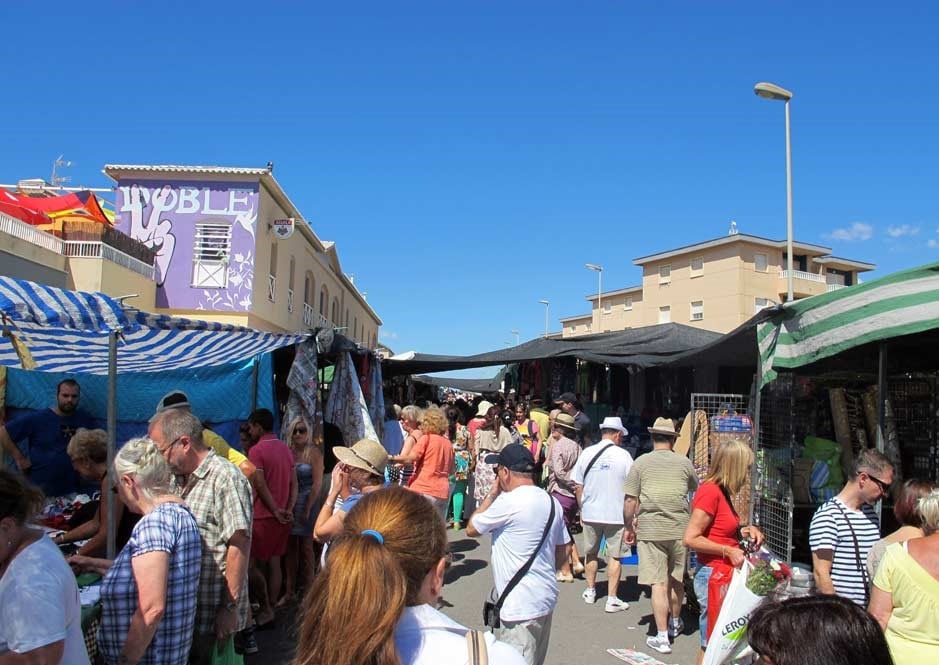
(844, 529)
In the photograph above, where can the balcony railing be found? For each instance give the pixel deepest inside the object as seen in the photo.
(289, 300)
(309, 315)
(98, 250)
(801, 274)
(835, 287)
(271, 287)
(29, 233)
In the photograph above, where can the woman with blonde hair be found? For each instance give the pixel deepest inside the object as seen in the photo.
(40, 613)
(715, 531)
(432, 457)
(391, 552)
(308, 457)
(411, 416)
(906, 591)
(148, 595)
(88, 450)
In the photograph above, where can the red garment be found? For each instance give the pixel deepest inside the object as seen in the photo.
(723, 528)
(272, 456)
(433, 466)
(474, 425)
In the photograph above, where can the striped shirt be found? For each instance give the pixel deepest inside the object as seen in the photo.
(830, 531)
(662, 480)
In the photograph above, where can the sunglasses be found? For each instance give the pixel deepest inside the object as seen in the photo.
(300, 430)
(884, 487)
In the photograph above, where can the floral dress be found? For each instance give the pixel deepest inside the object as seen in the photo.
(462, 458)
(486, 443)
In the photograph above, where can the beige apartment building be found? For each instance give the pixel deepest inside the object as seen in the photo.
(715, 285)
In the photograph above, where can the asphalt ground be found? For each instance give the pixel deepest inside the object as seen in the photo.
(580, 633)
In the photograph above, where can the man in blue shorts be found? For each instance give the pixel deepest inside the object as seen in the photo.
(46, 461)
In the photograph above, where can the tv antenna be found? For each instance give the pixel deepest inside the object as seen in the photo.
(58, 180)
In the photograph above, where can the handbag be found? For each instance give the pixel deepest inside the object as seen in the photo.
(491, 610)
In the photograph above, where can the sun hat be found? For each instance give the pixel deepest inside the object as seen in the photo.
(565, 420)
(614, 423)
(514, 457)
(663, 427)
(483, 408)
(364, 454)
(173, 400)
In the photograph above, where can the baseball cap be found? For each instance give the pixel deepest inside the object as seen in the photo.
(514, 457)
(174, 400)
(566, 397)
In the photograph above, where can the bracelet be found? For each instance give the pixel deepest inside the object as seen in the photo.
(329, 503)
(723, 552)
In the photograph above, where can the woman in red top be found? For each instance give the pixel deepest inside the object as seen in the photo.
(432, 457)
(714, 530)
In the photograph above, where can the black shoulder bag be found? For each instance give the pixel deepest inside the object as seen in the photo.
(857, 554)
(491, 610)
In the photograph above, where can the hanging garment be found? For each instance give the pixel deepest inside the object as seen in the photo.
(375, 397)
(302, 381)
(345, 407)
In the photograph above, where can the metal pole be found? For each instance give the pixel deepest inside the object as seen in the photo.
(599, 301)
(112, 439)
(546, 307)
(788, 207)
(254, 383)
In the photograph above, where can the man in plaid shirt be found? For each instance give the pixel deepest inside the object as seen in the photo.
(220, 499)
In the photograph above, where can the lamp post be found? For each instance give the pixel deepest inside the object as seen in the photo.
(547, 306)
(599, 270)
(771, 91)
(515, 332)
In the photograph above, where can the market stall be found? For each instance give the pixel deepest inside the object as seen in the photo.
(839, 372)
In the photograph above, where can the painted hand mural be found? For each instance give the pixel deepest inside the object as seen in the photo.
(156, 233)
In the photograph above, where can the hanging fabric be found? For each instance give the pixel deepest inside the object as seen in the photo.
(346, 407)
(376, 397)
(302, 381)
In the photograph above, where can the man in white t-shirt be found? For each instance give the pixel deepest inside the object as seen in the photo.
(600, 488)
(516, 512)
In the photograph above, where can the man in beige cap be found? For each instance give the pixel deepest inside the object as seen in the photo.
(657, 490)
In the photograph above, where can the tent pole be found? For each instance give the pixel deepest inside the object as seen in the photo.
(254, 383)
(881, 395)
(112, 438)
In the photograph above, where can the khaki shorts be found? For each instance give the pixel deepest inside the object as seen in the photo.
(614, 539)
(659, 559)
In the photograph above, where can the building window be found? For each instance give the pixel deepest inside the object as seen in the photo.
(212, 245)
(697, 266)
(697, 310)
(665, 274)
(572, 329)
(335, 317)
(761, 303)
(629, 304)
(355, 328)
(665, 314)
(760, 262)
(346, 324)
(608, 308)
(309, 289)
(290, 278)
(324, 298)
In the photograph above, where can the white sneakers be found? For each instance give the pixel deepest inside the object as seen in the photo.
(615, 605)
(589, 595)
(675, 627)
(659, 643)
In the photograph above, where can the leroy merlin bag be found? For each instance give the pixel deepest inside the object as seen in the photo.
(727, 640)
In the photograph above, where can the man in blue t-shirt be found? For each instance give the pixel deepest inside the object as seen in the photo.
(46, 462)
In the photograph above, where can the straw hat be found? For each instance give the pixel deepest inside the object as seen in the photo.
(663, 427)
(565, 420)
(365, 454)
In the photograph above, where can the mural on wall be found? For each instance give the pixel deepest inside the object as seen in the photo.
(203, 234)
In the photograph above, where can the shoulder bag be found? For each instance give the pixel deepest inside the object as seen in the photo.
(491, 610)
(857, 554)
(476, 645)
(595, 458)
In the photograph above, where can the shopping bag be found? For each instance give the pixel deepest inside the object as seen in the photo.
(718, 584)
(727, 641)
(225, 654)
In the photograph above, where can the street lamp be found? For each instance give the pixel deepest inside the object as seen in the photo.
(599, 270)
(515, 332)
(770, 91)
(547, 306)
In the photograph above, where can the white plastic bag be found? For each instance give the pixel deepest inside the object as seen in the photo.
(728, 639)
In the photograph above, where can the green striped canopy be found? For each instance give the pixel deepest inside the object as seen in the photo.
(811, 329)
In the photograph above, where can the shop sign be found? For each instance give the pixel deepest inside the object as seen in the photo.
(283, 228)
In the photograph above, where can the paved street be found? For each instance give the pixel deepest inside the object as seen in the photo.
(581, 633)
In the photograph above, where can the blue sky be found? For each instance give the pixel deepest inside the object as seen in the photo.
(469, 158)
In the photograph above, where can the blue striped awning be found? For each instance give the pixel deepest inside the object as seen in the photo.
(67, 331)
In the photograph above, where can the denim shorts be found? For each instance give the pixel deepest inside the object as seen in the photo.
(701, 579)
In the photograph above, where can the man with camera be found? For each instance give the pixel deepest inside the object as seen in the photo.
(528, 539)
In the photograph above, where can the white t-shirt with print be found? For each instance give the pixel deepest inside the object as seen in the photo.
(516, 521)
(425, 636)
(39, 604)
(605, 488)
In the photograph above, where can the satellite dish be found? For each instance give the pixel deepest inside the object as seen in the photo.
(324, 339)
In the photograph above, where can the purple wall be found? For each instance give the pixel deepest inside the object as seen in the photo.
(164, 213)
